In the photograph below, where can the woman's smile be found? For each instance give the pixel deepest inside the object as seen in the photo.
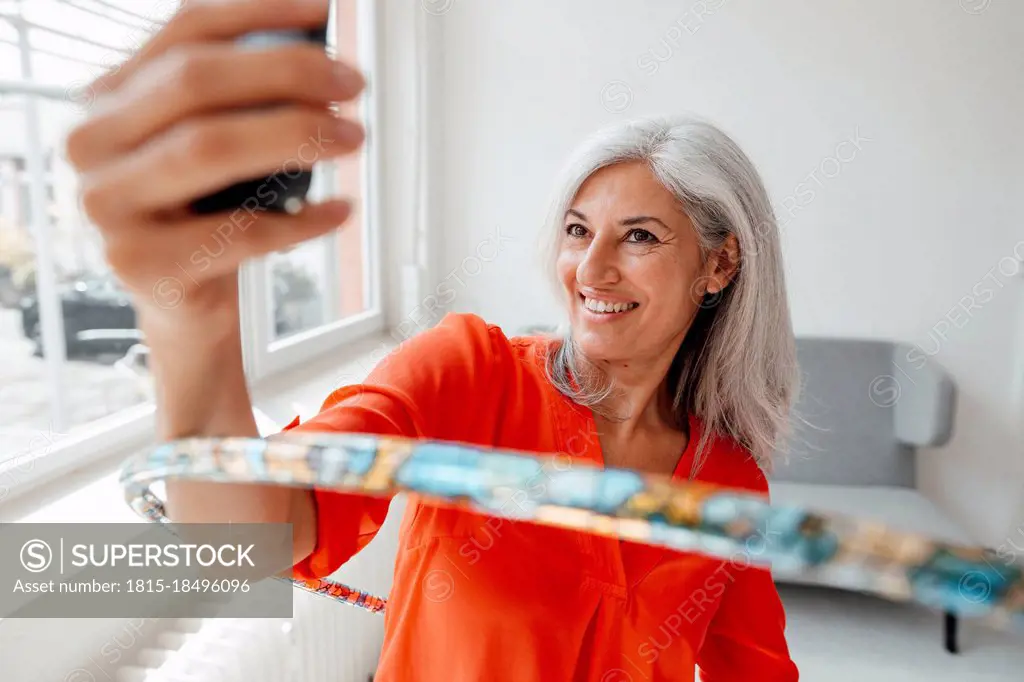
(603, 308)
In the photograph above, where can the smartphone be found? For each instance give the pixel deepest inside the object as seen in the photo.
(283, 192)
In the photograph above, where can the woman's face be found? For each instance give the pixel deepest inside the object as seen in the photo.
(631, 267)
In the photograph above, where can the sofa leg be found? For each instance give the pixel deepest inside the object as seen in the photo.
(951, 623)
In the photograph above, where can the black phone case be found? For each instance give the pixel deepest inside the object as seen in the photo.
(273, 192)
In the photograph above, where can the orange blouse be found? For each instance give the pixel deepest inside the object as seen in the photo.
(478, 597)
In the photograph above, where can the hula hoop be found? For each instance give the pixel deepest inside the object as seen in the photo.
(849, 552)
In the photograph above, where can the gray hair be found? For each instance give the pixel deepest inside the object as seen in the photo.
(736, 369)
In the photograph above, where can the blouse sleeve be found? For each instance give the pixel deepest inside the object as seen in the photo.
(443, 383)
(746, 637)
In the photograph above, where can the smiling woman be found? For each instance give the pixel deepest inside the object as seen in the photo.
(655, 252)
(664, 246)
(665, 368)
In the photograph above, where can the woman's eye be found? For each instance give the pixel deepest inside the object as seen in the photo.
(642, 236)
(576, 230)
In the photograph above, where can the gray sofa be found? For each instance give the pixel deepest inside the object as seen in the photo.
(865, 410)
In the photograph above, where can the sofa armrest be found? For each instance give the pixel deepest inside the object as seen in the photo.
(925, 399)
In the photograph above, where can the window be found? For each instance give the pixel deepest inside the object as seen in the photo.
(326, 291)
(71, 378)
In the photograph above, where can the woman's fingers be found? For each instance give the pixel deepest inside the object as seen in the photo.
(202, 79)
(193, 112)
(209, 20)
(191, 250)
(215, 151)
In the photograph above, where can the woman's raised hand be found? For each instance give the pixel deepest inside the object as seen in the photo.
(190, 114)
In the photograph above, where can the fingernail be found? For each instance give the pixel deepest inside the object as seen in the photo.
(348, 78)
(350, 132)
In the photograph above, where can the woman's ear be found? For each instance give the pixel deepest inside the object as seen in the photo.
(723, 264)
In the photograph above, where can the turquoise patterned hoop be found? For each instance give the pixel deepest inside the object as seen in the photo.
(849, 552)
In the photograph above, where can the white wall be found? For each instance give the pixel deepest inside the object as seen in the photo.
(882, 239)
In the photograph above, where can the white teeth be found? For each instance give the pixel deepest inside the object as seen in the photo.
(607, 307)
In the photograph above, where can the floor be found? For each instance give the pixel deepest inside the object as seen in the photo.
(845, 637)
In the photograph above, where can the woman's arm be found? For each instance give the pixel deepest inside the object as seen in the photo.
(202, 391)
(181, 118)
(446, 383)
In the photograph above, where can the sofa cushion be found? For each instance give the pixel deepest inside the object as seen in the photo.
(901, 508)
(843, 423)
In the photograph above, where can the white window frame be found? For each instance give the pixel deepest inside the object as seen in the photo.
(265, 357)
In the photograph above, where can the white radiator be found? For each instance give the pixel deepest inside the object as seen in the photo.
(324, 642)
(231, 650)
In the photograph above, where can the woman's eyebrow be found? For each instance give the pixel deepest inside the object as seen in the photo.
(640, 219)
(626, 222)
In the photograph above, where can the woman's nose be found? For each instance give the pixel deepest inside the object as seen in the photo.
(598, 266)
